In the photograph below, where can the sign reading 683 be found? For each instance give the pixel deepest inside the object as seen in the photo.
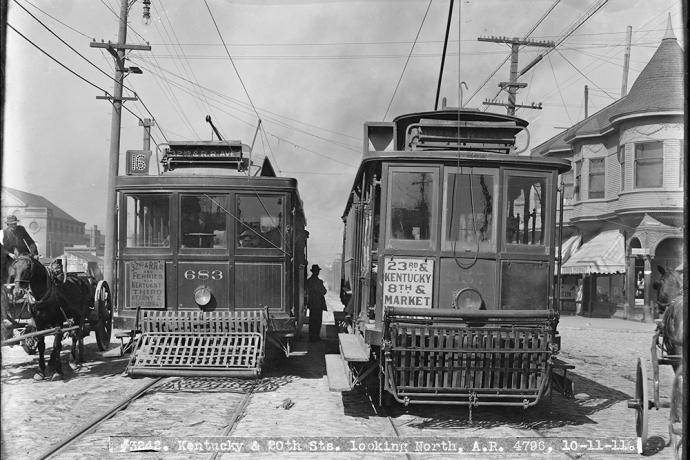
(203, 275)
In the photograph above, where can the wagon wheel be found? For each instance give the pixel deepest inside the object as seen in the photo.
(103, 304)
(30, 345)
(642, 402)
(675, 423)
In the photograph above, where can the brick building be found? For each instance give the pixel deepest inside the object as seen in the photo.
(624, 195)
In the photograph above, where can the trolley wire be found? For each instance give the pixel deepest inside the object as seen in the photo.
(58, 62)
(86, 59)
(408, 59)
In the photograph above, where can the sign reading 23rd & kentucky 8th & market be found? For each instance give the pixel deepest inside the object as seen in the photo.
(407, 282)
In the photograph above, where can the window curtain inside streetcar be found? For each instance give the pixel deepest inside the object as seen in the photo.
(147, 221)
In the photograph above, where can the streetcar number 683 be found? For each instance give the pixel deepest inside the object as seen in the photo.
(203, 274)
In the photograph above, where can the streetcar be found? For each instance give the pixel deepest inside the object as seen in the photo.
(211, 257)
(449, 250)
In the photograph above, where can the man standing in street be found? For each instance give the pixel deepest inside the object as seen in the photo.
(315, 302)
(15, 237)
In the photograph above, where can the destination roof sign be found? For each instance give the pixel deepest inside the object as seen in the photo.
(206, 149)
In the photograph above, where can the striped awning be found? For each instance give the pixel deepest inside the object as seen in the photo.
(605, 253)
(568, 248)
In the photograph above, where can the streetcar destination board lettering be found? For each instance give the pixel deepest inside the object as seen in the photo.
(407, 282)
(146, 282)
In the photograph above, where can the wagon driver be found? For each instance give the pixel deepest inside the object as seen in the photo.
(315, 302)
(16, 238)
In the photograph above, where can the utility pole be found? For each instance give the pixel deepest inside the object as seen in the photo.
(586, 101)
(512, 85)
(147, 123)
(626, 61)
(117, 50)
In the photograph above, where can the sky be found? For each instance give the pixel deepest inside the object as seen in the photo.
(313, 70)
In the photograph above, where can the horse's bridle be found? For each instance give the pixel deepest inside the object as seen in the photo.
(18, 282)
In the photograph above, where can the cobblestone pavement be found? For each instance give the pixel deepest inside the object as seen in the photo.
(37, 414)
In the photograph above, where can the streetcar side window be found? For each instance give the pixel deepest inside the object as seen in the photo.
(526, 209)
(469, 210)
(147, 221)
(260, 221)
(203, 221)
(412, 207)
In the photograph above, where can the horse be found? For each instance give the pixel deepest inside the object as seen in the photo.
(670, 301)
(54, 302)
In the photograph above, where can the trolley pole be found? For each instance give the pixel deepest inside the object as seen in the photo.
(147, 123)
(117, 50)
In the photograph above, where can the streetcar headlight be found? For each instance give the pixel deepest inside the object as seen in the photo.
(469, 299)
(202, 296)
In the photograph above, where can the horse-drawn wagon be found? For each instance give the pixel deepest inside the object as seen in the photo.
(39, 302)
(666, 349)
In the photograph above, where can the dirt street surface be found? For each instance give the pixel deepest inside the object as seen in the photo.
(292, 399)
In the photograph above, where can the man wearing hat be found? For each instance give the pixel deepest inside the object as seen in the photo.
(16, 238)
(315, 302)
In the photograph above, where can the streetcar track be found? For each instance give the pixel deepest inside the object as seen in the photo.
(237, 415)
(381, 410)
(86, 429)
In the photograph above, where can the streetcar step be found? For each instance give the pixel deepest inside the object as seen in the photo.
(339, 374)
(353, 348)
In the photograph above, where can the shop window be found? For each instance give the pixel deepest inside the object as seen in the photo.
(147, 221)
(597, 178)
(260, 221)
(203, 221)
(649, 164)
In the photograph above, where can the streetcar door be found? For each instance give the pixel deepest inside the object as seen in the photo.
(203, 263)
(261, 251)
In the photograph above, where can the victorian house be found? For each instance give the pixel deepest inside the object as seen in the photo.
(624, 194)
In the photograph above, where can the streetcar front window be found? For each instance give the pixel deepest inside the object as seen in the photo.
(260, 221)
(412, 212)
(147, 221)
(203, 221)
(526, 209)
(469, 210)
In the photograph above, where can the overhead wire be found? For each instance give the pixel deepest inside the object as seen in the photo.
(186, 67)
(585, 76)
(296, 145)
(57, 61)
(527, 35)
(82, 56)
(553, 72)
(238, 102)
(237, 72)
(408, 59)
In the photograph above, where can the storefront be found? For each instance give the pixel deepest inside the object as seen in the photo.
(599, 265)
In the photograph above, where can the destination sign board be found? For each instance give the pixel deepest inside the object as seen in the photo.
(146, 284)
(407, 282)
(205, 149)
